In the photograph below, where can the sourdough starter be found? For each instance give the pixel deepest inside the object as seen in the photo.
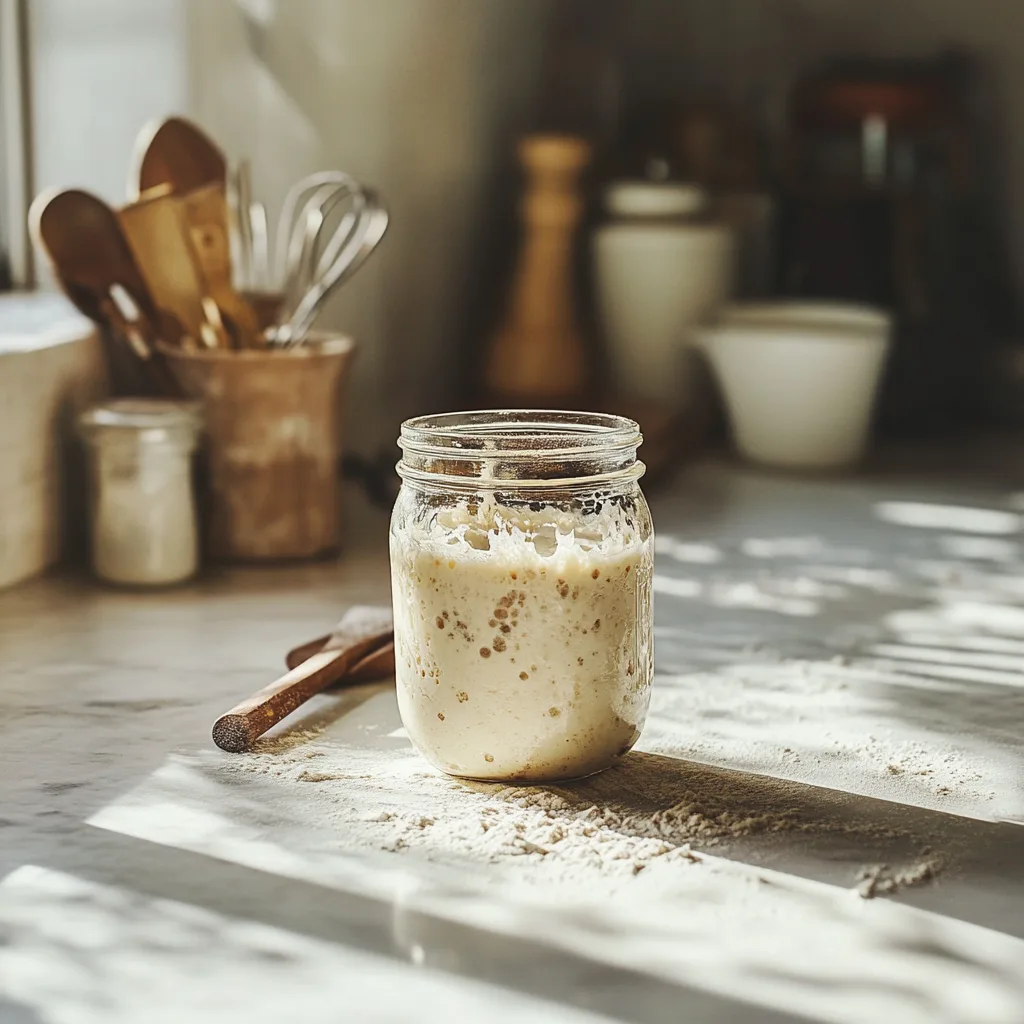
(523, 640)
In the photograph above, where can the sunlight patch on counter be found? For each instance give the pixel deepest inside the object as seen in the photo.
(949, 517)
(78, 952)
(958, 617)
(980, 549)
(683, 551)
(783, 547)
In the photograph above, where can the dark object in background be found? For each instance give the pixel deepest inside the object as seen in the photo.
(711, 143)
(882, 205)
(376, 476)
(714, 145)
(581, 83)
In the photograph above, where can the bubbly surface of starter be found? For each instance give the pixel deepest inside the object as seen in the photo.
(523, 640)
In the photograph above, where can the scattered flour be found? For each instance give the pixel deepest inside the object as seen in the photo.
(881, 880)
(890, 691)
(840, 722)
(615, 824)
(292, 739)
(603, 831)
(308, 776)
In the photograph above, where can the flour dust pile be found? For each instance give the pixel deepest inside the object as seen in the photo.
(610, 828)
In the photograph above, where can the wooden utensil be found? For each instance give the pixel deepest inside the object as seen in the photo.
(157, 233)
(84, 242)
(123, 316)
(205, 215)
(90, 257)
(176, 153)
(538, 353)
(376, 665)
(361, 630)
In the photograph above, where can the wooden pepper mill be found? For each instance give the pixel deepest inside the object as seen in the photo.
(538, 355)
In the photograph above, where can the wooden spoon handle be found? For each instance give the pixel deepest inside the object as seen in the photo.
(376, 665)
(297, 655)
(247, 721)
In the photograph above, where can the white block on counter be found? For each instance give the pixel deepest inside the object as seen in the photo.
(51, 366)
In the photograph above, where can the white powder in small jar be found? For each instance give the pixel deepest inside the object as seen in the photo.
(143, 521)
(523, 630)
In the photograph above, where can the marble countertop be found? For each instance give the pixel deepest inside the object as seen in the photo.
(839, 667)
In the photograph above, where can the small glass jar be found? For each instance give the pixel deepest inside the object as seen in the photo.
(143, 510)
(522, 553)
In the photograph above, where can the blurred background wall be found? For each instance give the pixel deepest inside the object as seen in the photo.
(754, 50)
(424, 99)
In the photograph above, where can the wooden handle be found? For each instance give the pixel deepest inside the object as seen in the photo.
(247, 722)
(297, 655)
(361, 632)
(205, 213)
(375, 665)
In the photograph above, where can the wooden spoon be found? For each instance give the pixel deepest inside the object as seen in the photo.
(175, 153)
(177, 158)
(361, 630)
(82, 240)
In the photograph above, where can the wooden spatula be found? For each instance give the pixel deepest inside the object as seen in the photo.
(175, 153)
(155, 228)
(362, 630)
(205, 215)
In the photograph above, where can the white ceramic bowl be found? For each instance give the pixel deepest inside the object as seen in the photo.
(799, 379)
(827, 315)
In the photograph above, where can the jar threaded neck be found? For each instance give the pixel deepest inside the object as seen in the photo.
(519, 448)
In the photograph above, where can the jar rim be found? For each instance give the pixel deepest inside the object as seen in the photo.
(143, 414)
(142, 421)
(528, 448)
(519, 433)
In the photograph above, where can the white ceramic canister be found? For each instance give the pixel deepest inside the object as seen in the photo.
(662, 267)
(799, 379)
(143, 509)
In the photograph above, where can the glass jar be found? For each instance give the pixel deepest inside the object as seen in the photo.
(522, 553)
(143, 510)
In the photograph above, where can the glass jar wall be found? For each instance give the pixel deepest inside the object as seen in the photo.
(522, 556)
